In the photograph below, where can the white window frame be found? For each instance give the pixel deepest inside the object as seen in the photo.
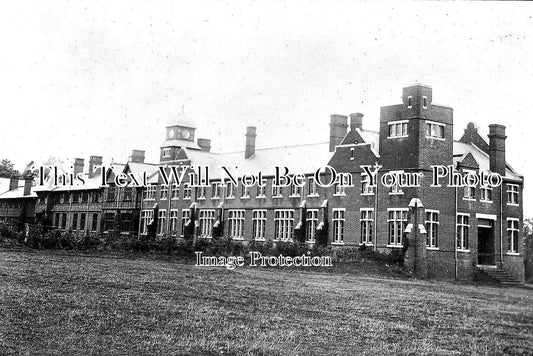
(245, 192)
(187, 191)
(339, 222)
(164, 192)
(146, 217)
(166, 152)
(295, 191)
(312, 223)
(215, 190)
(283, 224)
(236, 218)
(313, 187)
(230, 190)
(513, 236)
(174, 221)
(484, 192)
(463, 232)
(396, 224)
(261, 191)
(149, 192)
(432, 229)
(200, 193)
(512, 194)
(431, 127)
(339, 189)
(185, 217)
(259, 219)
(206, 219)
(366, 189)
(161, 221)
(277, 191)
(396, 124)
(367, 226)
(396, 189)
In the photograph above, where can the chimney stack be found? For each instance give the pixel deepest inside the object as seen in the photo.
(337, 130)
(205, 144)
(78, 165)
(356, 121)
(93, 162)
(250, 142)
(497, 148)
(13, 182)
(137, 156)
(27, 185)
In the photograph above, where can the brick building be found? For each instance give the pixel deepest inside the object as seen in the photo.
(451, 231)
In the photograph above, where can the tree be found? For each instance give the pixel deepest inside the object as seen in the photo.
(7, 168)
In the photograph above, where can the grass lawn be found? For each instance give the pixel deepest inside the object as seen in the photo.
(65, 303)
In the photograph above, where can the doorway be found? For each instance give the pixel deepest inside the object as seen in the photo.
(485, 242)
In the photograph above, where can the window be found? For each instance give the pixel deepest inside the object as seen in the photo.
(173, 221)
(64, 221)
(409, 102)
(207, 219)
(366, 189)
(312, 223)
(149, 193)
(367, 226)
(200, 193)
(434, 130)
(166, 152)
(82, 222)
(338, 226)
(162, 221)
(512, 235)
(259, 224)
(352, 154)
(75, 197)
(486, 194)
(340, 189)
(110, 194)
(261, 191)
(469, 192)
(185, 217)
(84, 197)
(215, 190)
(283, 225)
(397, 223)
(146, 217)
(126, 218)
(463, 226)
(74, 221)
(57, 220)
(236, 224)
(164, 192)
(512, 194)
(230, 190)
(128, 193)
(313, 188)
(187, 191)
(396, 189)
(296, 191)
(245, 192)
(425, 102)
(109, 221)
(276, 191)
(432, 228)
(175, 191)
(96, 197)
(398, 129)
(94, 224)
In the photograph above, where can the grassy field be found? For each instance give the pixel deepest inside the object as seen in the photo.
(63, 303)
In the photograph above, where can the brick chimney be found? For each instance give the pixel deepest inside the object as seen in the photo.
(137, 156)
(78, 165)
(337, 130)
(93, 162)
(205, 144)
(250, 142)
(13, 182)
(497, 148)
(27, 185)
(356, 121)
(471, 135)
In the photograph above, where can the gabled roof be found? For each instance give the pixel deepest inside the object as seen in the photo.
(461, 150)
(18, 192)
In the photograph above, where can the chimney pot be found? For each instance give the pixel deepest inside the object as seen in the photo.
(497, 148)
(93, 162)
(250, 142)
(78, 165)
(356, 121)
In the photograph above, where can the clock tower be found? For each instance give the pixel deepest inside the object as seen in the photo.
(179, 135)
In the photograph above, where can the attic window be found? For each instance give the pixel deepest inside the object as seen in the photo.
(166, 152)
(425, 102)
(409, 102)
(352, 153)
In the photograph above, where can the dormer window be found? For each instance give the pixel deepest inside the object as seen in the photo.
(425, 102)
(398, 129)
(409, 102)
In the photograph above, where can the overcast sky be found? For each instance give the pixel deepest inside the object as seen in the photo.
(102, 77)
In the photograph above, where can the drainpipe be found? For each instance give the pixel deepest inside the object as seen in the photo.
(455, 233)
(376, 212)
(140, 210)
(501, 226)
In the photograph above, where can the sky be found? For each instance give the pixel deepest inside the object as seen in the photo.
(105, 77)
